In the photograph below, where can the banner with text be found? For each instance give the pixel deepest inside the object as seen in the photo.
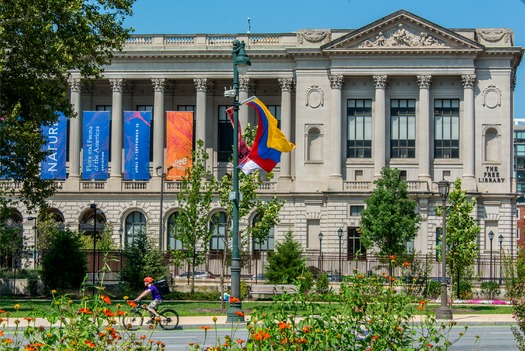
(95, 145)
(137, 126)
(54, 164)
(179, 136)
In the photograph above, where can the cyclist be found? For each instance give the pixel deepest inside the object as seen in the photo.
(156, 298)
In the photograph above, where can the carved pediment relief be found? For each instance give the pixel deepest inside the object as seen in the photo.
(313, 36)
(401, 31)
(495, 37)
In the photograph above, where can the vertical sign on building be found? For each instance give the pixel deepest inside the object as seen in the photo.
(137, 126)
(54, 164)
(95, 145)
(179, 135)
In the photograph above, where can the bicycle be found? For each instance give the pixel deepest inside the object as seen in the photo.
(168, 320)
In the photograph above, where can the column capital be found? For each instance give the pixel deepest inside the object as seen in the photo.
(424, 81)
(245, 84)
(158, 84)
(468, 80)
(74, 84)
(380, 81)
(117, 85)
(287, 84)
(201, 84)
(336, 82)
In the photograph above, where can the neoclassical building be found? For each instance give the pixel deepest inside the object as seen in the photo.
(401, 92)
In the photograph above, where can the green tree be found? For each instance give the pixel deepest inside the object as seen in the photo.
(64, 250)
(192, 219)
(389, 220)
(41, 43)
(461, 232)
(286, 264)
(11, 245)
(142, 258)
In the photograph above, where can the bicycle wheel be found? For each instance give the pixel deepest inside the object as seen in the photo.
(169, 319)
(133, 320)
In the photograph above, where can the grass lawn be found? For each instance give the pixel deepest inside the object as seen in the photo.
(37, 308)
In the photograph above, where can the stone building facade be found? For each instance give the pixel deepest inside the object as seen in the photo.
(401, 92)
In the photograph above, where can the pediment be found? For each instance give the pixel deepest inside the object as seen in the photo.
(399, 32)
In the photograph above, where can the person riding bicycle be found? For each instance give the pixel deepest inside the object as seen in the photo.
(156, 298)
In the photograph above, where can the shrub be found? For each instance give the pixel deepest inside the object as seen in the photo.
(432, 289)
(490, 290)
(322, 284)
(465, 289)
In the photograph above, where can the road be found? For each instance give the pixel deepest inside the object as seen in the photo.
(491, 337)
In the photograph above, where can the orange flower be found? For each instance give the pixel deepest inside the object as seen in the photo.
(375, 337)
(89, 343)
(143, 337)
(307, 329)
(239, 341)
(205, 327)
(406, 264)
(234, 299)
(240, 313)
(120, 313)
(132, 303)
(265, 335)
(108, 313)
(283, 325)
(2, 311)
(392, 257)
(258, 336)
(85, 311)
(106, 299)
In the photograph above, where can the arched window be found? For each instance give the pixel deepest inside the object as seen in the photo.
(87, 223)
(173, 241)
(266, 245)
(218, 224)
(135, 224)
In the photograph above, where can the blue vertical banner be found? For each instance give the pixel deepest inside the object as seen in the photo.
(137, 126)
(54, 165)
(95, 145)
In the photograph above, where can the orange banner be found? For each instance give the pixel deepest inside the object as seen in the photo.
(179, 135)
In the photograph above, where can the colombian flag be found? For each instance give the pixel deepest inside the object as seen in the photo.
(269, 142)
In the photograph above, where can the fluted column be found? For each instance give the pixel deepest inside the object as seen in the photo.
(468, 134)
(116, 130)
(336, 130)
(74, 135)
(423, 128)
(158, 123)
(285, 176)
(379, 125)
(201, 85)
(244, 89)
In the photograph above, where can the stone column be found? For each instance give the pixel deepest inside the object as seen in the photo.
(115, 179)
(468, 133)
(336, 179)
(423, 128)
(201, 85)
(158, 124)
(244, 89)
(75, 140)
(379, 125)
(285, 177)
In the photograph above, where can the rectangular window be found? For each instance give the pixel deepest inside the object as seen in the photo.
(275, 110)
(225, 133)
(356, 210)
(267, 245)
(313, 228)
(446, 128)
(402, 128)
(150, 109)
(355, 248)
(359, 124)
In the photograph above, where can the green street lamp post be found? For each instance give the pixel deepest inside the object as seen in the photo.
(340, 235)
(500, 240)
(94, 208)
(444, 311)
(320, 252)
(241, 61)
(491, 236)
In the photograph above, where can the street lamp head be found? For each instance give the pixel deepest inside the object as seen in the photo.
(241, 60)
(321, 236)
(491, 235)
(500, 239)
(93, 206)
(340, 232)
(443, 187)
(170, 168)
(158, 168)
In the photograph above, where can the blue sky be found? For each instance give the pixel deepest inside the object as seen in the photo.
(284, 16)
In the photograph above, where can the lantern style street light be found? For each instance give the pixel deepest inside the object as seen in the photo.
(320, 252)
(491, 236)
(444, 311)
(241, 61)
(340, 235)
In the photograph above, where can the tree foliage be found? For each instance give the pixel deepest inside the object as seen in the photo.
(192, 220)
(64, 250)
(286, 264)
(389, 220)
(41, 43)
(461, 232)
